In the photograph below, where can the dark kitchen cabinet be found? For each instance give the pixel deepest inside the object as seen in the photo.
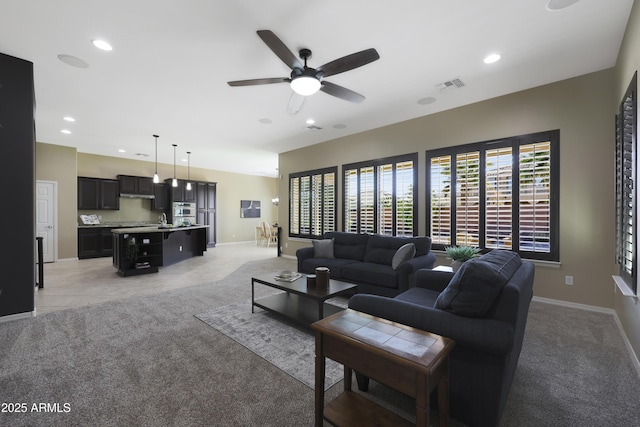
(136, 185)
(180, 193)
(206, 209)
(160, 201)
(98, 194)
(95, 242)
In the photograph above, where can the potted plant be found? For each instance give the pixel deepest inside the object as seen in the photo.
(460, 254)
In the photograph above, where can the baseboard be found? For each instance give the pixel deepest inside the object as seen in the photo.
(574, 305)
(289, 256)
(236, 243)
(634, 357)
(18, 316)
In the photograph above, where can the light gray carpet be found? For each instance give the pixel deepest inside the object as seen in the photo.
(288, 346)
(148, 361)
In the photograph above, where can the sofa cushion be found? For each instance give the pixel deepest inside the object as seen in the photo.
(335, 266)
(475, 286)
(323, 248)
(404, 253)
(371, 273)
(348, 245)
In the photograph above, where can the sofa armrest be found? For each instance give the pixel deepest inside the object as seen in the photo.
(485, 335)
(407, 270)
(433, 280)
(302, 254)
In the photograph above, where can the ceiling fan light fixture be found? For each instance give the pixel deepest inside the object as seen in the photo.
(305, 85)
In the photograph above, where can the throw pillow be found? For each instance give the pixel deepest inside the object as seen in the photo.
(404, 253)
(475, 286)
(323, 248)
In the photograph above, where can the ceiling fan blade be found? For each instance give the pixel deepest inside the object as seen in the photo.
(279, 48)
(295, 103)
(349, 62)
(341, 92)
(254, 82)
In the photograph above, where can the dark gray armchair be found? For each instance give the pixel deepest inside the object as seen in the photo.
(483, 307)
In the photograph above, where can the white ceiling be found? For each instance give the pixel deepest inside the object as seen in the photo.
(167, 73)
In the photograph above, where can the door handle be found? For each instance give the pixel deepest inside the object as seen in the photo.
(49, 226)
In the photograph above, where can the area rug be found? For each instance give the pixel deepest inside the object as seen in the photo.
(286, 345)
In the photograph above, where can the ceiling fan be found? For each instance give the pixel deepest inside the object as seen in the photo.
(305, 80)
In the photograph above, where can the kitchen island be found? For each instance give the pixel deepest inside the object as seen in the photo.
(142, 250)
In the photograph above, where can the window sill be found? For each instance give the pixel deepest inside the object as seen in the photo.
(622, 286)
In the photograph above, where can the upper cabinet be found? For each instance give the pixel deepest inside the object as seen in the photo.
(98, 194)
(159, 202)
(180, 193)
(136, 185)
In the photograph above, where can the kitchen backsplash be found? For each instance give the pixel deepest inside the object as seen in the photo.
(131, 210)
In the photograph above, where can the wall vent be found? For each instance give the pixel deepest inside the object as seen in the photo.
(450, 85)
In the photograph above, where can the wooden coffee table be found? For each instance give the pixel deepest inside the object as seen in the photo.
(409, 360)
(299, 302)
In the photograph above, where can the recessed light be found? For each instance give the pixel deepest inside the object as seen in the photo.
(68, 119)
(490, 59)
(121, 150)
(73, 61)
(554, 5)
(66, 131)
(102, 45)
(310, 121)
(265, 121)
(339, 126)
(426, 101)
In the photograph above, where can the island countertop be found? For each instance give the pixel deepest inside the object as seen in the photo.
(155, 229)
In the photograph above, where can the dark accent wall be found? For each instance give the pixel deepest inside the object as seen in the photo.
(17, 215)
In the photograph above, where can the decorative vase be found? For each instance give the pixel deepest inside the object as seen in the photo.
(456, 264)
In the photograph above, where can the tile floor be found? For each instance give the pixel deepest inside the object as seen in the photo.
(76, 283)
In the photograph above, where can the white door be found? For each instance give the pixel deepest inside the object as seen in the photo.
(46, 212)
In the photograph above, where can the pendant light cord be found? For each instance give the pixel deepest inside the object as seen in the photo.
(174, 160)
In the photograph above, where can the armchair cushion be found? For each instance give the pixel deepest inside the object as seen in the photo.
(323, 248)
(475, 287)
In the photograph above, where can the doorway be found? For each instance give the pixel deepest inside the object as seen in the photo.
(47, 218)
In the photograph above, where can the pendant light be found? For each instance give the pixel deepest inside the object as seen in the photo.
(174, 183)
(156, 178)
(188, 170)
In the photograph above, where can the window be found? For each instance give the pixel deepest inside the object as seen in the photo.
(312, 203)
(626, 131)
(379, 196)
(496, 194)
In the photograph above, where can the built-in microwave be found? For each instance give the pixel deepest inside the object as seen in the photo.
(181, 209)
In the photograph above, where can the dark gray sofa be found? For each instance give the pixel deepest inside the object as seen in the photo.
(367, 260)
(484, 308)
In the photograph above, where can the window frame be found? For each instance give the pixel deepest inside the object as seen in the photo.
(313, 211)
(627, 265)
(515, 142)
(375, 164)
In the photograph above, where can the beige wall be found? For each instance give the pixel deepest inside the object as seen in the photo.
(581, 108)
(58, 163)
(64, 165)
(628, 309)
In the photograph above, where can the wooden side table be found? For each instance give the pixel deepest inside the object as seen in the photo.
(409, 360)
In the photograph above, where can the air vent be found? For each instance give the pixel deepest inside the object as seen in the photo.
(314, 127)
(142, 154)
(450, 85)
